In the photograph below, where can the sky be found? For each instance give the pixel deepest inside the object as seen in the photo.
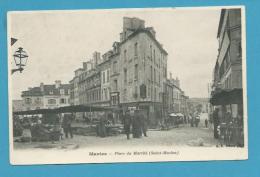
(57, 43)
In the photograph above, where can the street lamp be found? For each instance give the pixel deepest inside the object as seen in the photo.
(20, 58)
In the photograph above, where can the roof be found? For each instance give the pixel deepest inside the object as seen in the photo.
(149, 34)
(47, 90)
(65, 109)
(168, 82)
(226, 97)
(221, 21)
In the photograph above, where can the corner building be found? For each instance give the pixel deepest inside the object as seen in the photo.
(142, 61)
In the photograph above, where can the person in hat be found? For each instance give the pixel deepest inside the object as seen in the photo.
(137, 130)
(143, 121)
(216, 122)
(127, 120)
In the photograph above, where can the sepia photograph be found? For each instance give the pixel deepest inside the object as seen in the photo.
(127, 85)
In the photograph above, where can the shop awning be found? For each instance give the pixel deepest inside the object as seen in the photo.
(180, 114)
(173, 115)
(66, 109)
(225, 97)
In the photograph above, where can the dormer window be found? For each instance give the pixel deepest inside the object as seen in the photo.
(62, 92)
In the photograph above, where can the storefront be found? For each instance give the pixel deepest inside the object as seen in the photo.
(230, 116)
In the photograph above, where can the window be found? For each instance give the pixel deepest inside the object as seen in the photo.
(154, 55)
(136, 72)
(159, 78)
(151, 92)
(125, 53)
(62, 92)
(136, 92)
(125, 76)
(51, 101)
(155, 96)
(28, 100)
(154, 72)
(115, 85)
(105, 91)
(104, 77)
(37, 100)
(124, 95)
(108, 75)
(165, 72)
(62, 101)
(136, 49)
(98, 94)
(151, 73)
(115, 67)
(114, 100)
(151, 53)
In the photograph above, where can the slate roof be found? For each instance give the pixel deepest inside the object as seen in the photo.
(48, 90)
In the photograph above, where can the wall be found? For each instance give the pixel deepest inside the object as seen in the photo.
(37, 102)
(144, 62)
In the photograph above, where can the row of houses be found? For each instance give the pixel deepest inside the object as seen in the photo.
(133, 73)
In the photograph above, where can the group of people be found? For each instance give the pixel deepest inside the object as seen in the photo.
(34, 129)
(135, 123)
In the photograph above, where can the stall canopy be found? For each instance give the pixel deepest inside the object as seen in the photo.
(172, 114)
(176, 115)
(180, 114)
(225, 97)
(66, 109)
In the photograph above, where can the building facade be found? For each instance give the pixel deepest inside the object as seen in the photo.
(133, 73)
(89, 86)
(47, 96)
(18, 105)
(228, 67)
(143, 61)
(227, 74)
(176, 100)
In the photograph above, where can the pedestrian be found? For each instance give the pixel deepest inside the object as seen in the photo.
(137, 132)
(206, 123)
(143, 120)
(66, 125)
(26, 133)
(216, 122)
(127, 120)
(111, 118)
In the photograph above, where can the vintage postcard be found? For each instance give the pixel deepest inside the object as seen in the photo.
(127, 85)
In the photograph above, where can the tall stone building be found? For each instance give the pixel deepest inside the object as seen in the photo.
(137, 61)
(143, 61)
(228, 67)
(227, 83)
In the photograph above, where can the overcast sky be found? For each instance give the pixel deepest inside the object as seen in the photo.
(58, 42)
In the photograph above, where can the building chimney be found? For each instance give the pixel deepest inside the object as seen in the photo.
(96, 57)
(42, 87)
(57, 84)
(177, 82)
(85, 65)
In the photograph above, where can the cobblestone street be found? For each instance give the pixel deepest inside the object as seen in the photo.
(182, 136)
